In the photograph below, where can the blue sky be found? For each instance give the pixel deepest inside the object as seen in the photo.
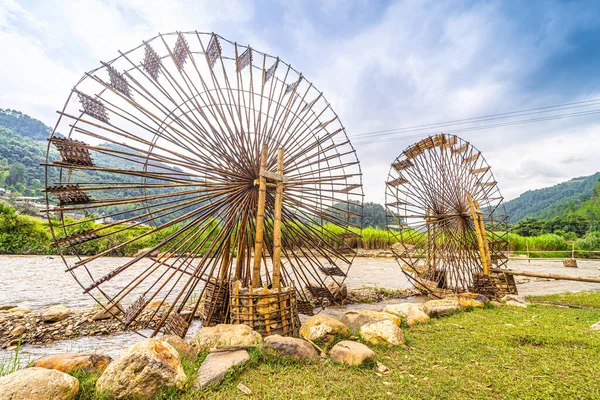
(382, 65)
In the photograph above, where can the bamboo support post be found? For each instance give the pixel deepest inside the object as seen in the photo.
(484, 250)
(277, 225)
(260, 217)
(528, 257)
(483, 233)
(226, 259)
(548, 275)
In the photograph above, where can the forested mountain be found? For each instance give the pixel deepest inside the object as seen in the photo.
(20, 158)
(24, 125)
(553, 201)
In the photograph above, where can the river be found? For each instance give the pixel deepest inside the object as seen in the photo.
(36, 282)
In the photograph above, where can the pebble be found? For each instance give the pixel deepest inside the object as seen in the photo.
(244, 389)
(78, 323)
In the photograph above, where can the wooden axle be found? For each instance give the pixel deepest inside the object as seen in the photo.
(548, 275)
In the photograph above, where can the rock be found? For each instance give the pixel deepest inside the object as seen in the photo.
(365, 295)
(296, 348)
(470, 300)
(38, 384)
(380, 315)
(354, 320)
(110, 311)
(155, 304)
(215, 366)
(596, 326)
(226, 335)
(184, 349)
(18, 331)
(73, 362)
(244, 389)
(412, 313)
(339, 293)
(6, 307)
(382, 369)
(382, 332)
(515, 300)
(352, 353)
(19, 310)
(495, 303)
(323, 328)
(55, 313)
(142, 371)
(439, 308)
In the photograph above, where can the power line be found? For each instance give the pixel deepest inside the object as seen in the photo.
(476, 128)
(490, 117)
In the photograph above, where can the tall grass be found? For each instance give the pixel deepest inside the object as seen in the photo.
(12, 363)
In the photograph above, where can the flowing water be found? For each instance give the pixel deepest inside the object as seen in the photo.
(36, 282)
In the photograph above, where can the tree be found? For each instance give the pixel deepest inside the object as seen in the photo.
(529, 227)
(374, 215)
(16, 174)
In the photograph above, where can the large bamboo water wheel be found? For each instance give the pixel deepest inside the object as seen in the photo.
(445, 210)
(223, 167)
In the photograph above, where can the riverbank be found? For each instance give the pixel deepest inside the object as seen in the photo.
(543, 351)
(37, 282)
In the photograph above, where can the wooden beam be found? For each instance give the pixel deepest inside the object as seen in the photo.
(277, 224)
(260, 218)
(484, 249)
(277, 177)
(548, 275)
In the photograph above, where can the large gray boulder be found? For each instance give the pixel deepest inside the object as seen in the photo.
(354, 320)
(226, 335)
(323, 328)
(38, 384)
(412, 313)
(55, 313)
(382, 332)
(295, 348)
(352, 353)
(215, 367)
(142, 371)
(184, 349)
(440, 308)
(339, 293)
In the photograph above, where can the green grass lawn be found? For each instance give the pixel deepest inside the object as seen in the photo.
(544, 351)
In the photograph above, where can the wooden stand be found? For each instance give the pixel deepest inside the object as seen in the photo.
(267, 310)
(570, 262)
(493, 285)
(215, 303)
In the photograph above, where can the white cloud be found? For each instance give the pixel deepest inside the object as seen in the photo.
(420, 62)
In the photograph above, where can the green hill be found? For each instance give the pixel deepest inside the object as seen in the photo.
(24, 125)
(554, 201)
(20, 158)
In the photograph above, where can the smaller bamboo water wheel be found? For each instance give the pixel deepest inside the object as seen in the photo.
(445, 210)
